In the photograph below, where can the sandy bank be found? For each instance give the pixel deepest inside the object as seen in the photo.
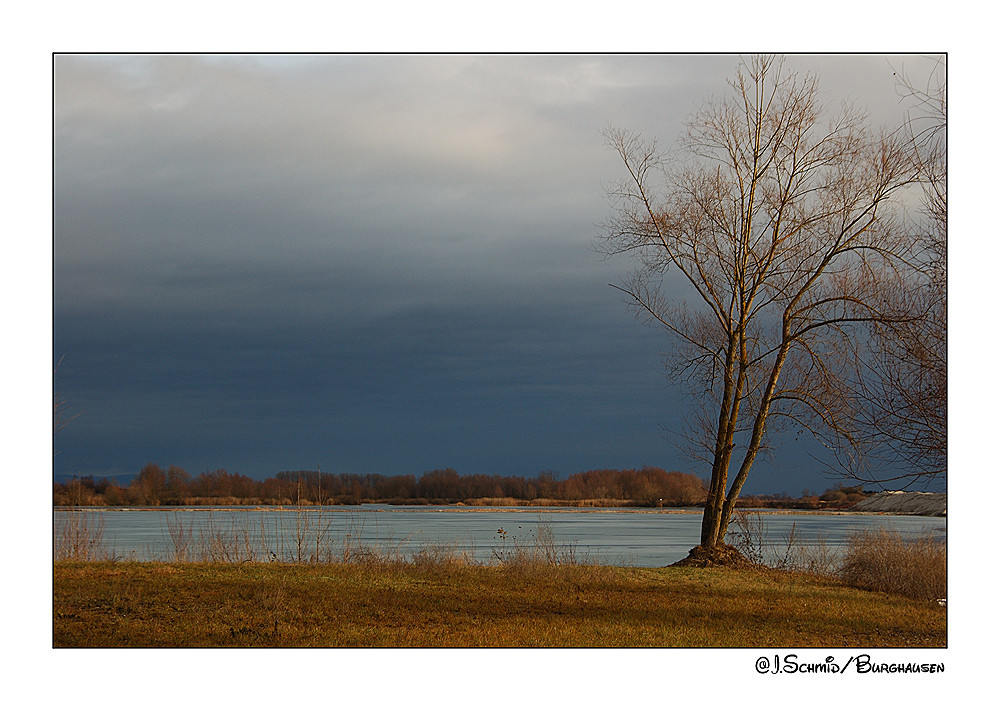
(915, 503)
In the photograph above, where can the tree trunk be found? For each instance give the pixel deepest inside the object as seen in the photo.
(719, 509)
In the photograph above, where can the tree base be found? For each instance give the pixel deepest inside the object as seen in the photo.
(715, 556)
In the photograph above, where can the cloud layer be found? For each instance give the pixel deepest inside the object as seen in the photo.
(371, 263)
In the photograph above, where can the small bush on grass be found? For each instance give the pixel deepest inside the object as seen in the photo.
(884, 561)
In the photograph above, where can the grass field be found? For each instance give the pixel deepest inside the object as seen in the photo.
(456, 604)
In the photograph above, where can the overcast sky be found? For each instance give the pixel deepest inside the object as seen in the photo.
(370, 263)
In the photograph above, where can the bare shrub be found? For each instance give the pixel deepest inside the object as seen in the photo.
(794, 553)
(214, 542)
(309, 537)
(181, 537)
(883, 560)
(80, 536)
(749, 536)
(548, 550)
(441, 556)
(507, 549)
(321, 531)
(361, 548)
(217, 543)
(355, 554)
(513, 549)
(813, 558)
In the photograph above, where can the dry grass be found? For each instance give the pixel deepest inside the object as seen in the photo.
(441, 601)
(535, 593)
(885, 561)
(879, 560)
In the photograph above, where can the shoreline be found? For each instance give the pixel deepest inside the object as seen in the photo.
(464, 508)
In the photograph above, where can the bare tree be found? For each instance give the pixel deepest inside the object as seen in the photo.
(784, 229)
(902, 378)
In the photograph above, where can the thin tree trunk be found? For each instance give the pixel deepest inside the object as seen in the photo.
(760, 421)
(728, 411)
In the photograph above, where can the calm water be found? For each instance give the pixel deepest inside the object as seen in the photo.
(647, 538)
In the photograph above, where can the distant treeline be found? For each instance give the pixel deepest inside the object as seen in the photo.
(154, 486)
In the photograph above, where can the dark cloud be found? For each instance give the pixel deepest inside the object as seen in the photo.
(374, 263)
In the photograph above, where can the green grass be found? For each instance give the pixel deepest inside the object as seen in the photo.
(458, 604)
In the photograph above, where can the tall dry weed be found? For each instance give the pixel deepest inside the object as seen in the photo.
(79, 536)
(883, 560)
(536, 548)
(792, 553)
(749, 536)
(181, 537)
(441, 556)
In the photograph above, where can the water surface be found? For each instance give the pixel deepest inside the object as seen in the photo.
(643, 538)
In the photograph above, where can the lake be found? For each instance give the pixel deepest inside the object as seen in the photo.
(631, 537)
